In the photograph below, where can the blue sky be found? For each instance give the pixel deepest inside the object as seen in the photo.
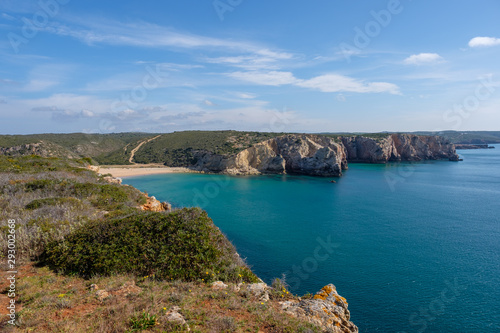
(282, 66)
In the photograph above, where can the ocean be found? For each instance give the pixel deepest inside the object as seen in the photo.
(413, 247)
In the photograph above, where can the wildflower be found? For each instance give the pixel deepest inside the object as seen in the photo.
(61, 295)
(165, 309)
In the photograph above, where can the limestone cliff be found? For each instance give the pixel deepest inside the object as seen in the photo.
(319, 155)
(293, 153)
(398, 147)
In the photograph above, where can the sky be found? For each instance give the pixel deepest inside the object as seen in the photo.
(275, 66)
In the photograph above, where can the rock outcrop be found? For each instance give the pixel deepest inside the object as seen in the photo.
(42, 148)
(153, 205)
(293, 153)
(398, 147)
(327, 309)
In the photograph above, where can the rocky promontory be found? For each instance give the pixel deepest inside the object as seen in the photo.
(320, 155)
(397, 148)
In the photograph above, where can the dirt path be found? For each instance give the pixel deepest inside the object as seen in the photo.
(132, 153)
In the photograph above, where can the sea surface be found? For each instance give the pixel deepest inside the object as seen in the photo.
(412, 247)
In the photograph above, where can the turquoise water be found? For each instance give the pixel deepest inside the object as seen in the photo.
(413, 247)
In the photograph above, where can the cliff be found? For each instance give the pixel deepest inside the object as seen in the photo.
(318, 155)
(397, 148)
(297, 154)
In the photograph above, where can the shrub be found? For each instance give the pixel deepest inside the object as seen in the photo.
(38, 203)
(184, 245)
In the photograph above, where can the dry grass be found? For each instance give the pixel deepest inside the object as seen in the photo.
(49, 302)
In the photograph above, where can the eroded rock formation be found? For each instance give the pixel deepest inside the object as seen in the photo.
(398, 147)
(292, 153)
(153, 205)
(327, 310)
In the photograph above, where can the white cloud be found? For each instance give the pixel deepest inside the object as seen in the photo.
(272, 78)
(245, 95)
(423, 59)
(340, 83)
(208, 102)
(87, 113)
(324, 83)
(257, 60)
(484, 41)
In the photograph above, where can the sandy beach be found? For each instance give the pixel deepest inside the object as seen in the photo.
(121, 171)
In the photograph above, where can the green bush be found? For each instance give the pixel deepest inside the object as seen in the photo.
(182, 245)
(38, 203)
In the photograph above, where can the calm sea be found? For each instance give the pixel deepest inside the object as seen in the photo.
(413, 247)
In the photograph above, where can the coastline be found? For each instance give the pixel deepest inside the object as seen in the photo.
(123, 171)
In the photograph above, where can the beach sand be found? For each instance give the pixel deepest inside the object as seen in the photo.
(121, 171)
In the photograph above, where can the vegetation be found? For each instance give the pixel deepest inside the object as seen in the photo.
(181, 148)
(74, 230)
(182, 245)
(103, 148)
(468, 137)
(52, 302)
(50, 197)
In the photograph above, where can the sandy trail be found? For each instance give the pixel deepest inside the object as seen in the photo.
(132, 153)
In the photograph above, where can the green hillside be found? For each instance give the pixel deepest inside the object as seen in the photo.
(468, 137)
(176, 149)
(104, 148)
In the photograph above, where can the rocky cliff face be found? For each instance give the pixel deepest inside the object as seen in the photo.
(321, 156)
(293, 153)
(398, 147)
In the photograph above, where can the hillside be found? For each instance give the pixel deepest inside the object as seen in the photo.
(103, 148)
(178, 148)
(93, 255)
(468, 137)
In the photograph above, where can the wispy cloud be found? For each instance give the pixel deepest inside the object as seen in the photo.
(257, 61)
(341, 83)
(325, 83)
(423, 59)
(143, 34)
(272, 78)
(484, 41)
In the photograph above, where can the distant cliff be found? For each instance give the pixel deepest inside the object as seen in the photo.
(397, 148)
(319, 155)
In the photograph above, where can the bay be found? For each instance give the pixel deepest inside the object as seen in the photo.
(413, 247)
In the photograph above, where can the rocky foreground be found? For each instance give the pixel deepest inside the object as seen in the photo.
(319, 155)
